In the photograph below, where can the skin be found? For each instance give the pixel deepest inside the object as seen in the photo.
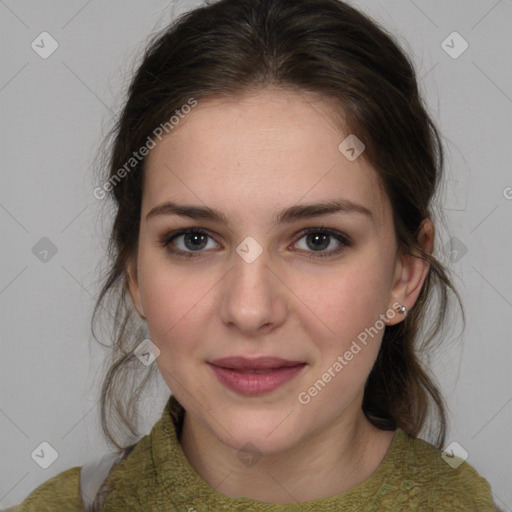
(249, 157)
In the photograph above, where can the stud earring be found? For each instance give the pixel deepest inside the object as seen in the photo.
(402, 310)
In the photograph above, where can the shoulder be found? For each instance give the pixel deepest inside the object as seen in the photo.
(59, 493)
(127, 481)
(441, 483)
(63, 491)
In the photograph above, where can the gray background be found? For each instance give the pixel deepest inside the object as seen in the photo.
(54, 113)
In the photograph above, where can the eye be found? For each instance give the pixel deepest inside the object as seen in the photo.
(194, 240)
(318, 238)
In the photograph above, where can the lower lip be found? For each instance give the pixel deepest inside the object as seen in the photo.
(255, 383)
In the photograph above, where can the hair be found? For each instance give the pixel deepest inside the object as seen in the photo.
(324, 47)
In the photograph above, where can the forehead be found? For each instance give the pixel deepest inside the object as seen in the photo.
(257, 153)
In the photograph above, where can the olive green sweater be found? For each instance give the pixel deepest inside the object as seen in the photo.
(156, 477)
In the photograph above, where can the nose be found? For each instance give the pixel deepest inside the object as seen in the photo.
(254, 299)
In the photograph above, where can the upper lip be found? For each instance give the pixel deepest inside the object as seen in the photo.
(256, 363)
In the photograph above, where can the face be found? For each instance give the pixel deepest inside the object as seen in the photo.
(250, 287)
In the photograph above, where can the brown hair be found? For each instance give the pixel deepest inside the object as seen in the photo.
(320, 46)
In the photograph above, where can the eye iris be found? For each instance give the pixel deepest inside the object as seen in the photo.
(195, 237)
(319, 237)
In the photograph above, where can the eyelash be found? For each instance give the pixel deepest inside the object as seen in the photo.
(340, 237)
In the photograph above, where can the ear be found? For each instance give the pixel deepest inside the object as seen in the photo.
(410, 273)
(133, 286)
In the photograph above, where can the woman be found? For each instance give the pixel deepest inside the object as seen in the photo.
(273, 171)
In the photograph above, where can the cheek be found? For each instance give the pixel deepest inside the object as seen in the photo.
(177, 304)
(345, 352)
(346, 329)
(171, 306)
(166, 295)
(346, 299)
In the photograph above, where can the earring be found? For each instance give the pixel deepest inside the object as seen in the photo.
(402, 310)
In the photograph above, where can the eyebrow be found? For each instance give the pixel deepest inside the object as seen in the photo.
(285, 216)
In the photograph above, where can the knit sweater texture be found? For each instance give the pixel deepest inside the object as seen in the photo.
(156, 477)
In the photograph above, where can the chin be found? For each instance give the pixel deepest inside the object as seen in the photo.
(265, 435)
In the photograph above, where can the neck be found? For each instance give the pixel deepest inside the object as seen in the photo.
(326, 463)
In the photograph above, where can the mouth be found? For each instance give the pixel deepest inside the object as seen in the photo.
(255, 376)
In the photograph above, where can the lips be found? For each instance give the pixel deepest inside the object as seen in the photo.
(255, 376)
